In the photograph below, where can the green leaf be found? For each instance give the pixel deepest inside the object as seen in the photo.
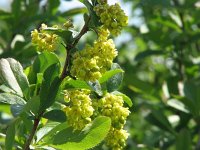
(16, 109)
(53, 6)
(192, 93)
(51, 73)
(153, 3)
(147, 53)
(95, 22)
(115, 81)
(8, 75)
(183, 140)
(159, 119)
(50, 95)
(6, 89)
(16, 9)
(55, 115)
(125, 98)
(27, 121)
(96, 87)
(5, 108)
(109, 74)
(178, 105)
(45, 130)
(11, 99)
(20, 76)
(49, 135)
(10, 136)
(172, 84)
(41, 63)
(32, 105)
(91, 136)
(69, 83)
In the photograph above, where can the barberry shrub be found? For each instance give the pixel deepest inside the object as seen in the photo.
(74, 106)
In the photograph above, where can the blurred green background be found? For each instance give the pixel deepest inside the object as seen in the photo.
(159, 51)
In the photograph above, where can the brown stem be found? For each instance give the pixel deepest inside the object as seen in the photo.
(69, 47)
(28, 142)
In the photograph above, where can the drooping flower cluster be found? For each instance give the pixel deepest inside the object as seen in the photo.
(112, 106)
(116, 138)
(90, 63)
(112, 16)
(80, 108)
(43, 40)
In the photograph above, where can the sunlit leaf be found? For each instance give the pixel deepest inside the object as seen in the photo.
(92, 135)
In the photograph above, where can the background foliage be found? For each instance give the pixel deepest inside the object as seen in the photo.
(160, 57)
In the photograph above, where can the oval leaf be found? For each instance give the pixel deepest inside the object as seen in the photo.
(183, 140)
(10, 136)
(109, 74)
(177, 105)
(115, 81)
(20, 76)
(41, 63)
(8, 77)
(91, 136)
(55, 115)
(125, 98)
(69, 83)
(51, 94)
(11, 99)
(16, 109)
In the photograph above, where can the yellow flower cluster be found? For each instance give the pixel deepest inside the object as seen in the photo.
(44, 41)
(112, 16)
(80, 108)
(90, 63)
(112, 106)
(116, 138)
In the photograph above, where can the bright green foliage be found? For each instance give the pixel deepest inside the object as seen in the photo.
(66, 106)
(158, 51)
(91, 135)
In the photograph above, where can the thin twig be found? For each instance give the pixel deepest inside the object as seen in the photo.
(28, 142)
(69, 47)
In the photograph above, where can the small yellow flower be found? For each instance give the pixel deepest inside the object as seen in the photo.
(44, 41)
(112, 17)
(90, 63)
(80, 108)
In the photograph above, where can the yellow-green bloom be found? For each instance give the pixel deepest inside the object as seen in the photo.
(112, 106)
(90, 63)
(116, 138)
(44, 41)
(80, 108)
(112, 16)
